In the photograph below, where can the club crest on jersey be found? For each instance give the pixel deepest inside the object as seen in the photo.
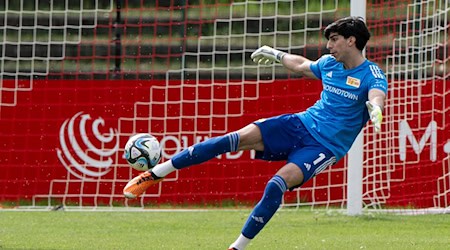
(354, 82)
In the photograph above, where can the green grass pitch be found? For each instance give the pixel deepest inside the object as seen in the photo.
(216, 229)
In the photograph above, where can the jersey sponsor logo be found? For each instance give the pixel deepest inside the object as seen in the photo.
(354, 82)
(340, 92)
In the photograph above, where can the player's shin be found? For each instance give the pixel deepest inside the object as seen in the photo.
(206, 150)
(264, 210)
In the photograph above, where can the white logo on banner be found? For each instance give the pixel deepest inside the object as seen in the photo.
(83, 159)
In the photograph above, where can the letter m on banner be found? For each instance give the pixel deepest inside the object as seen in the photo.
(406, 132)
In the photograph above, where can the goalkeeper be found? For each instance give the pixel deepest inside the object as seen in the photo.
(354, 91)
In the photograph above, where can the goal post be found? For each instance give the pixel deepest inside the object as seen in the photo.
(356, 155)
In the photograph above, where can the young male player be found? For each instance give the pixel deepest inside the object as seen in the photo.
(354, 90)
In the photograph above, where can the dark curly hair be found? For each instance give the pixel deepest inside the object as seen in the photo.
(350, 26)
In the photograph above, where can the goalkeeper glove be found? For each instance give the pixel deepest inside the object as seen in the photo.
(267, 55)
(376, 115)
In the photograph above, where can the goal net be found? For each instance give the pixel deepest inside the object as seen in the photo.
(412, 154)
(97, 72)
(36, 34)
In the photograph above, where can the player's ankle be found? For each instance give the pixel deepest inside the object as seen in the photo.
(154, 176)
(163, 169)
(240, 243)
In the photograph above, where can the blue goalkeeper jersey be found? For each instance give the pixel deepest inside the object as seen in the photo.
(339, 115)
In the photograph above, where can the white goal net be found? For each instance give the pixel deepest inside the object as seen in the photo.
(197, 55)
(35, 34)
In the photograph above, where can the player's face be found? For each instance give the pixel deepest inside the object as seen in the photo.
(338, 46)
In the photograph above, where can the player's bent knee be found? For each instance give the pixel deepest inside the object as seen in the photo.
(292, 174)
(250, 138)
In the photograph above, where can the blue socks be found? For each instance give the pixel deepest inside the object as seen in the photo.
(213, 147)
(206, 150)
(266, 207)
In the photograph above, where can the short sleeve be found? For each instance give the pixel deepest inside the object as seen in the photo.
(379, 79)
(316, 66)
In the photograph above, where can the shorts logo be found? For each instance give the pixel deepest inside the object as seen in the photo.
(307, 166)
(354, 82)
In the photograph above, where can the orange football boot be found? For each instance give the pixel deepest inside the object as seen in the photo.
(139, 184)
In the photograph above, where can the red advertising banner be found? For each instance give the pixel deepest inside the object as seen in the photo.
(63, 141)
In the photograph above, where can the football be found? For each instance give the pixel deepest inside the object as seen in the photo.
(143, 151)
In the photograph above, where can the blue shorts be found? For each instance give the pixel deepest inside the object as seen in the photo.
(286, 138)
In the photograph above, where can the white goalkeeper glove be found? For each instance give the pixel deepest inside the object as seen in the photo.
(376, 115)
(267, 55)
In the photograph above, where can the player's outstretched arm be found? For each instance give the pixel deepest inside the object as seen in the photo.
(298, 64)
(375, 106)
